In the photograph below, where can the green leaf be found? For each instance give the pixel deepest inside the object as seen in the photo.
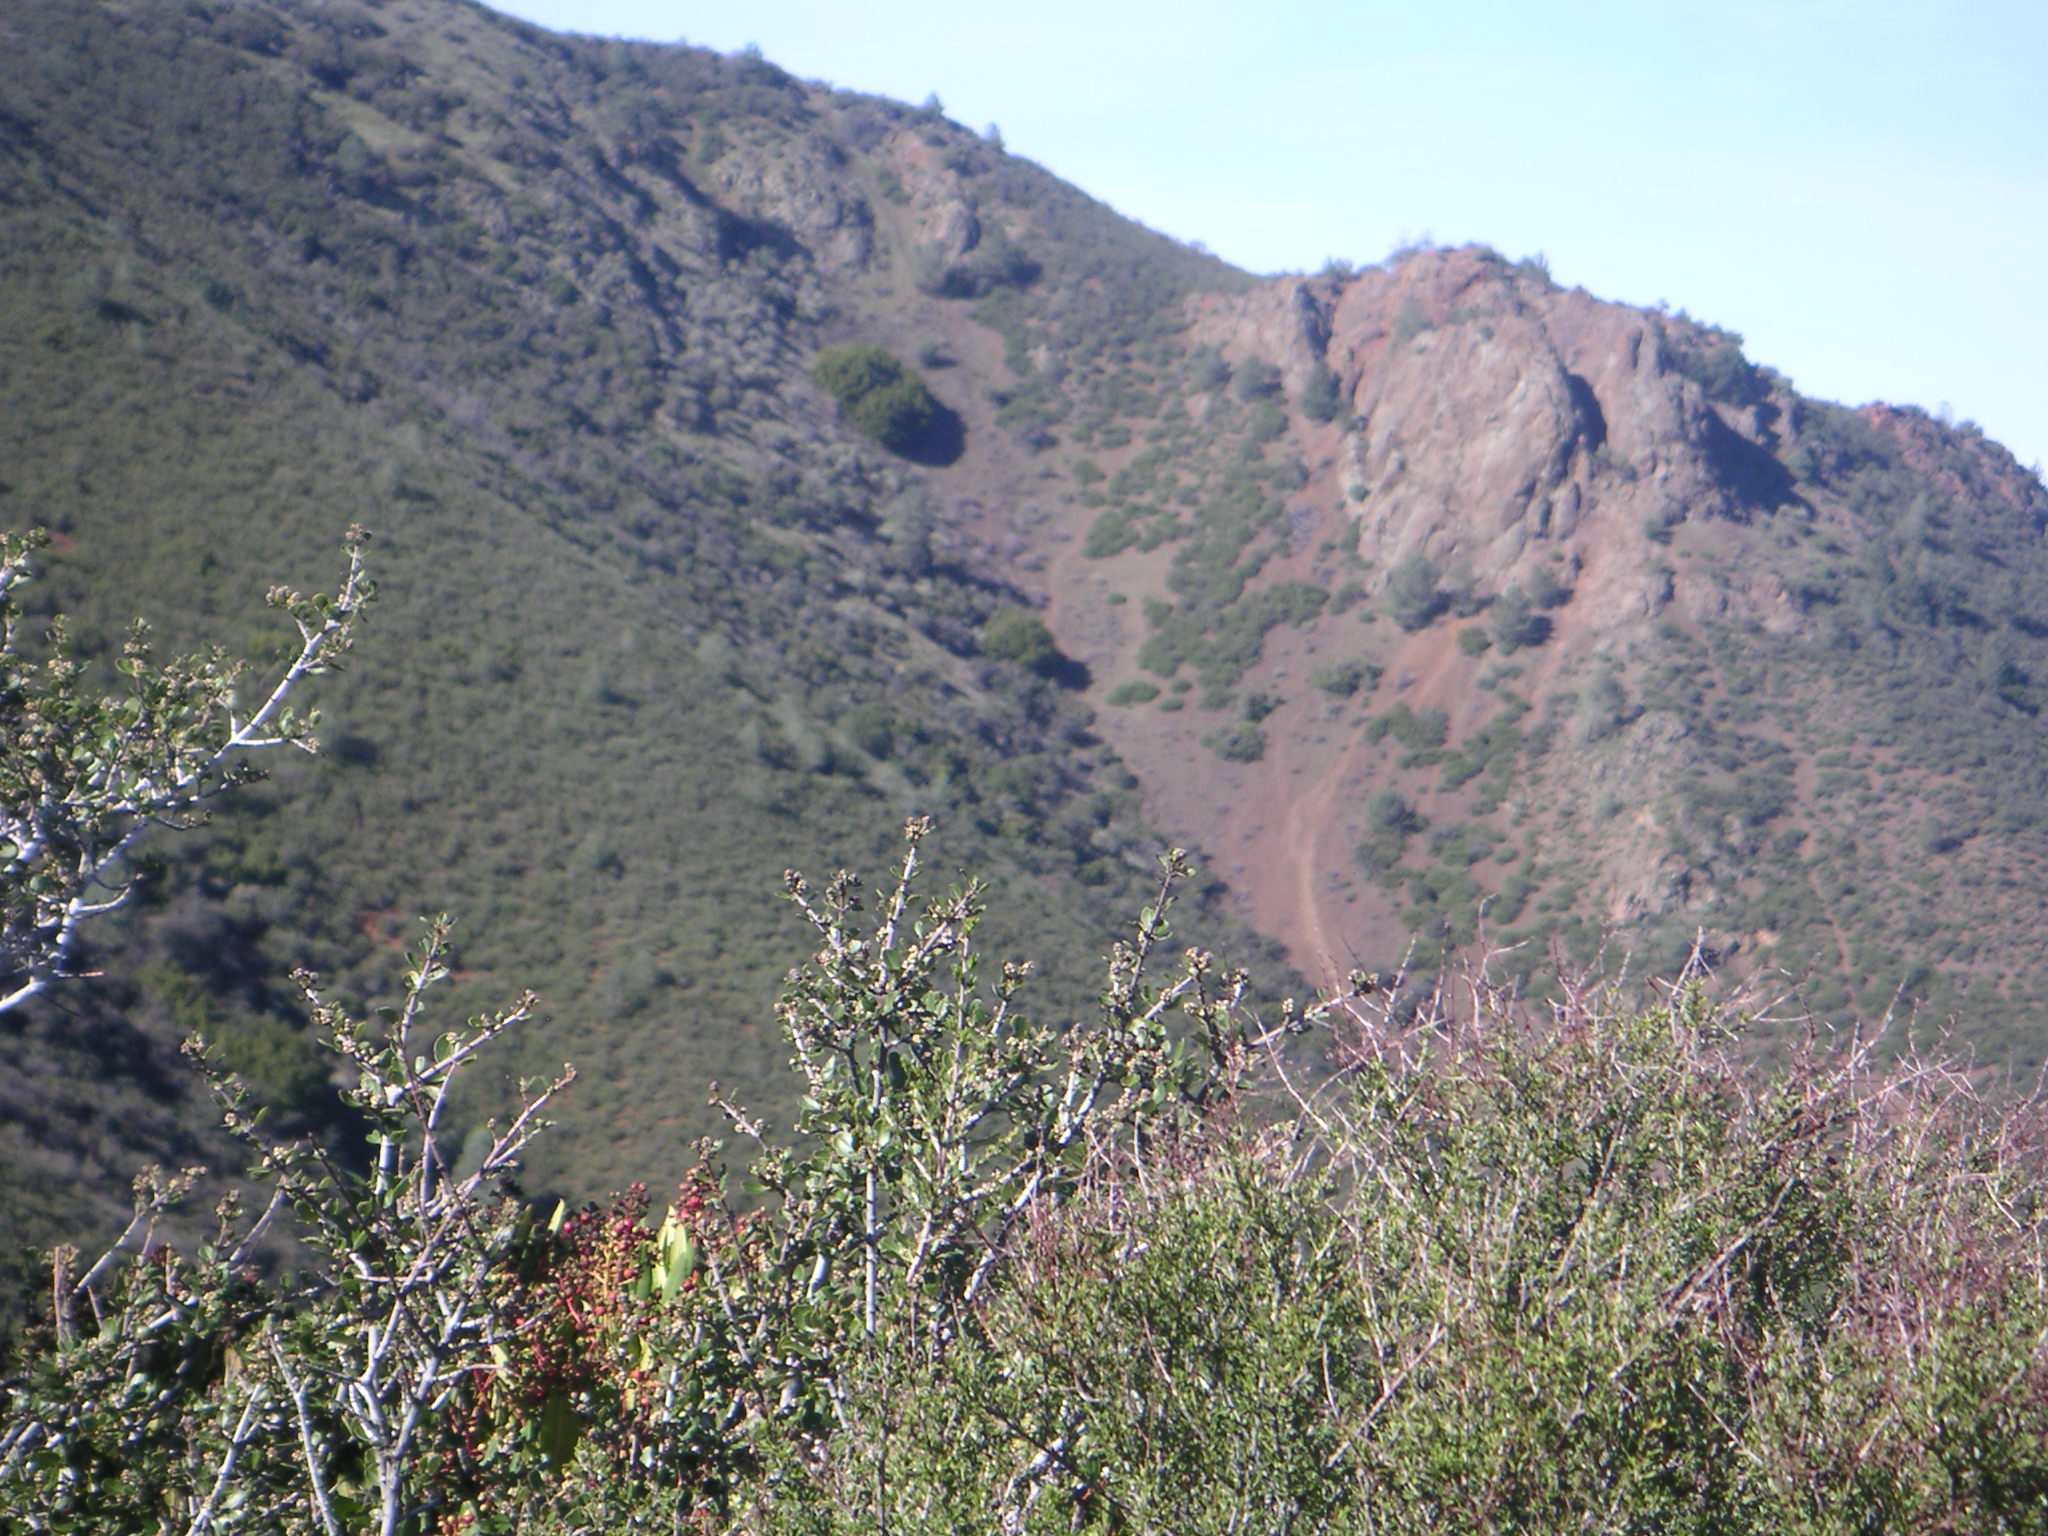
(560, 1429)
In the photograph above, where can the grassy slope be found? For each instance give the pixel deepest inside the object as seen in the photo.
(645, 640)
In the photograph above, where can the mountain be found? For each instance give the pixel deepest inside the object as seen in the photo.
(1431, 603)
(1638, 647)
(655, 626)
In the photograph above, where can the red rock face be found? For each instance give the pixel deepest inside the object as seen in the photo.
(1516, 435)
(1505, 424)
(1959, 462)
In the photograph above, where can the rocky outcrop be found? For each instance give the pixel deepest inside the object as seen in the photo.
(804, 190)
(1500, 423)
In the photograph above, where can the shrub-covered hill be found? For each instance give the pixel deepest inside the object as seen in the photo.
(1504, 613)
(1437, 604)
(1593, 1271)
(654, 623)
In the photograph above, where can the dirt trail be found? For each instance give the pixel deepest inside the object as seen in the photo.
(1310, 842)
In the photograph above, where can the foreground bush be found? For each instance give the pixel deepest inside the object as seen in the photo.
(1597, 1275)
(85, 776)
(1477, 1273)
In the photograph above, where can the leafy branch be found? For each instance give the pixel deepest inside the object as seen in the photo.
(328, 1404)
(84, 776)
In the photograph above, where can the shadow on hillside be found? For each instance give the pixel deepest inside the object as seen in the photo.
(1071, 674)
(1752, 474)
(943, 443)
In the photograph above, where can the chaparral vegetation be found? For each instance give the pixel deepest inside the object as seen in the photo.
(759, 467)
(1187, 1265)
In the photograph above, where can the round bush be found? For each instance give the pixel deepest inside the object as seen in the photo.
(1022, 638)
(880, 396)
(1240, 743)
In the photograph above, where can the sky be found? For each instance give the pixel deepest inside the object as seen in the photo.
(1860, 189)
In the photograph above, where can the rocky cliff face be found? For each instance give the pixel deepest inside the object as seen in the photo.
(1677, 588)
(1501, 425)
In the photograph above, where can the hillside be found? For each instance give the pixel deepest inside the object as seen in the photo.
(1429, 602)
(655, 625)
(1619, 641)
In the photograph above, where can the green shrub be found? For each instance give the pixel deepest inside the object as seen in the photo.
(880, 396)
(1268, 423)
(1207, 371)
(1414, 596)
(1514, 895)
(1714, 360)
(1136, 691)
(1545, 590)
(1243, 742)
(1321, 396)
(1418, 730)
(1342, 679)
(1255, 379)
(1607, 707)
(1389, 822)
(1023, 638)
(1111, 534)
(1347, 597)
(1517, 621)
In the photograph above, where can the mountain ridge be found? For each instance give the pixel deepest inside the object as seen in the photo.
(1571, 461)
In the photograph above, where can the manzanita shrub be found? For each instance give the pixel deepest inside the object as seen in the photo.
(1477, 1271)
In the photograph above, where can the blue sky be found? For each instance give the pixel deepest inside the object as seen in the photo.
(1860, 189)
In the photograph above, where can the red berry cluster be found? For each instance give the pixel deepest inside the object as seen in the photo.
(590, 1346)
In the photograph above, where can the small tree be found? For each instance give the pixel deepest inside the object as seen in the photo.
(880, 396)
(1023, 638)
(1414, 594)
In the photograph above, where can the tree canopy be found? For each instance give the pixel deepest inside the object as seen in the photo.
(880, 395)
